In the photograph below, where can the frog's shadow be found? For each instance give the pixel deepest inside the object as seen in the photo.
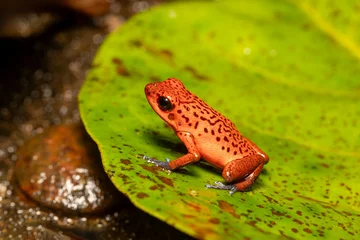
(159, 139)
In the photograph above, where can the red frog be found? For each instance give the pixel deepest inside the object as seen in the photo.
(206, 134)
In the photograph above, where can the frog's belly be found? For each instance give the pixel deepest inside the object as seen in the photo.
(214, 154)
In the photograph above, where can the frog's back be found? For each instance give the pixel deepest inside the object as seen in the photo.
(216, 136)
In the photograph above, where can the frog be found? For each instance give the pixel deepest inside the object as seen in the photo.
(207, 135)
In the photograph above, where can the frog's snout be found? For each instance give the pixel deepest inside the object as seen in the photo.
(150, 88)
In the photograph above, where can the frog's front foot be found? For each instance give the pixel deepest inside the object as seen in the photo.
(164, 165)
(220, 185)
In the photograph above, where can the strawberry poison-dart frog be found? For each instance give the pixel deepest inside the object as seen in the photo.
(206, 134)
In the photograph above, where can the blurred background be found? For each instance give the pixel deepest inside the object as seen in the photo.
(46, 49)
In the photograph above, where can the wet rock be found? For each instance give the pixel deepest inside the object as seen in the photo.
(61, 169)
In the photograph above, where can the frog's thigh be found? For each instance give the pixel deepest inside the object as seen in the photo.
(249, 180)
(241, 168)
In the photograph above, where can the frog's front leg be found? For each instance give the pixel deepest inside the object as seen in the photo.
(192, 156)
(242, 173)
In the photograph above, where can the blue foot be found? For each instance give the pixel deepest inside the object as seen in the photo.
(220, 185)
(164, 165)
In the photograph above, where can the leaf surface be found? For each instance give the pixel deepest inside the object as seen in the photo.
(286, 73)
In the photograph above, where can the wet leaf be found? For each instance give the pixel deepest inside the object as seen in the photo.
(286, 73)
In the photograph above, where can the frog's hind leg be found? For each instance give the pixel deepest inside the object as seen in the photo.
(248, 181)
(242, 173)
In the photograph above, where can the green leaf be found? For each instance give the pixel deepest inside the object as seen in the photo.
(285, 72)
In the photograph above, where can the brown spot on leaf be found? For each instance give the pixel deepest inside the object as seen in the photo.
(151, 168)
(214, 220)
(325, 165)
(127, 169)
(136, 43)
(253, 224)
(155, 79)
(347, 213)
(307, 230)
(225, 206)
(124, 178)
(194, 206)
(321, 233)
(120, 67)
(271, 200)
(166, 180)
(277, 213)
(342, 226)
(142, 195)
(195, 73)
(166, 54)
(125, 161)
(157, 186)
(110, 173)
(161, 53)
(116, 61)
(298, 221)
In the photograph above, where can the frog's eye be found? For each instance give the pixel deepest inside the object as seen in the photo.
(165, 103)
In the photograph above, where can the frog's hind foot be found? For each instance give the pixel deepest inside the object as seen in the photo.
(220, 185)
(165, 165)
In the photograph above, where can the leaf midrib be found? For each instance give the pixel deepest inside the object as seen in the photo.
(328, 29)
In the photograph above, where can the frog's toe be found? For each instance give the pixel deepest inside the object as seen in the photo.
(219, 185)
(164, 165)
(233, 190)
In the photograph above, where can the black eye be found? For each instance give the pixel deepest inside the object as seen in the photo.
(165, 104)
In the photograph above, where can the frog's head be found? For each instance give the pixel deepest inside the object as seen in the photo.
(165, 98)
